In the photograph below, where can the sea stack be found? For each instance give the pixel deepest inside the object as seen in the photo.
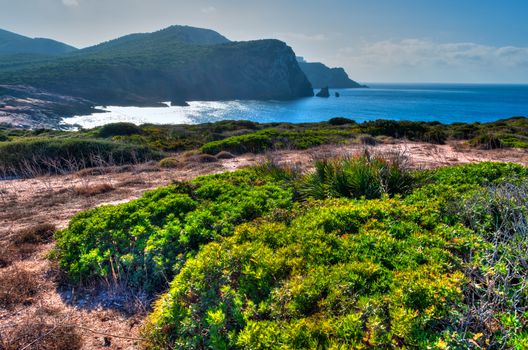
(324, 92)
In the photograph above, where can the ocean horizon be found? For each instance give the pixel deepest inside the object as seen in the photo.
(441, 102)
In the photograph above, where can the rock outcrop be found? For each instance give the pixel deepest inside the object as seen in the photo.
(320, 76)
(323, 93)
(28, 107)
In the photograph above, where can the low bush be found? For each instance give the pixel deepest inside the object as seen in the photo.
(487, 141)
(498, 288)
(119, 129)
(270, 139)
(33, 157)
(340, 121)
(170, 162)
(142, 243)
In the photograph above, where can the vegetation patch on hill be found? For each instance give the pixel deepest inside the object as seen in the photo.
(126, 143)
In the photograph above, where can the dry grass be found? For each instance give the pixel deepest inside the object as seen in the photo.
(41, 233)
(17, 287)
(205, 158)
(367, 140)
(40, 335)
(93, 190)
(225, 155)
(134, 181)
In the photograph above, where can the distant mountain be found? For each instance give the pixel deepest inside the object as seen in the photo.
(180, 34)
(11, 43)
(322, 76)
(175, 64)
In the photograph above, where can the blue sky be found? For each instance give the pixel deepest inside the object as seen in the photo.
(375, 40)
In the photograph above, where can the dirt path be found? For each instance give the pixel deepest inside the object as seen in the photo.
(55, 199)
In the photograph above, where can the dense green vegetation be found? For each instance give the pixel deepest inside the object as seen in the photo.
(259, 262)
(11, 43)
(144, 242)
(146, 141)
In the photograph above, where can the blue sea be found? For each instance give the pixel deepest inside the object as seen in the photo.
(446, 103)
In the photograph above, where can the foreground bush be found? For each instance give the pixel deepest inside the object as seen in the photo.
(345, 274)
(385, 273)
(34, 157)
(143, 243)
(254, 266)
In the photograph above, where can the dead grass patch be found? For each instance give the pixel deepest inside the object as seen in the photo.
(17, 287)
(204, 158)
(41, 233)
(93, 190)
(132, 182)
(41, 335)
(225, 155)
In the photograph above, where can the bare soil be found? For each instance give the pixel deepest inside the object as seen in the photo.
(108, 317)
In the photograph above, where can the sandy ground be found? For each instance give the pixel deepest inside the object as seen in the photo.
(106, 315)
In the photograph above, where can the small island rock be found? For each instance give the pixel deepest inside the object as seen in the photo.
(324, 92)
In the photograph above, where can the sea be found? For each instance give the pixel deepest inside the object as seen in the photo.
(445, 103)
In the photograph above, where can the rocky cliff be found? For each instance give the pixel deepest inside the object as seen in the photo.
(322, 76)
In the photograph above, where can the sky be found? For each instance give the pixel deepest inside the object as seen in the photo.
(469, 41)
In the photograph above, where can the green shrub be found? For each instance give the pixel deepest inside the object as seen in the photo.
(252, 143)
(170, 162)
(339, 276)
(487, 141)
(119, 129)
(253, 268)
(340, 121)
(142, 243)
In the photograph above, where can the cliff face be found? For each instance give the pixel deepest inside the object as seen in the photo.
(322, 76)
(176, 64)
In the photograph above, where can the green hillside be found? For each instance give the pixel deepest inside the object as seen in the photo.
(11, 43)
(175, 64)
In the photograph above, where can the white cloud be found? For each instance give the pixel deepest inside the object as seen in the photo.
(70, 3)
(426, 60)
(208, 9)
(302, 37)
(416, 52)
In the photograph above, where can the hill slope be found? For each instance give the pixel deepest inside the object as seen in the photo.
(176, 64)
(322, 76)
(11, 43)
